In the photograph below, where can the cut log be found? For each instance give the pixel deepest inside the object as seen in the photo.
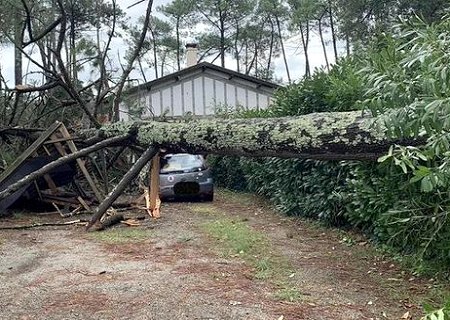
(111, 221)
(325, 136)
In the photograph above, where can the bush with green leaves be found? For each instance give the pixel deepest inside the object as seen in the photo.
(437, 314)
(402, 200)
(308, 188)
(409, 89)
(338, 90)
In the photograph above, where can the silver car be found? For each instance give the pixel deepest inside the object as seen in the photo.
(185, 175)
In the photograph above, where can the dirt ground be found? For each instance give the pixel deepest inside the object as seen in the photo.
(180, 267)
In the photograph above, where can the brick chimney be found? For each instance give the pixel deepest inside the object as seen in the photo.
(191, 54)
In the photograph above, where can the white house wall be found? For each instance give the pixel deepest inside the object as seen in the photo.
(200, 95)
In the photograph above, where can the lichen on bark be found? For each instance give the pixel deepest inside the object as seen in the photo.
(339, 135)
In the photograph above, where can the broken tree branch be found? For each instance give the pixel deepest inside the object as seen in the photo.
(46, 224)
(133, 57)
(119, 188)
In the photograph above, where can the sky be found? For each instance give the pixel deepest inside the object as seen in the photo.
(295, 54)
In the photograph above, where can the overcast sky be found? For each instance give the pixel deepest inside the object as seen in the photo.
(295, 54)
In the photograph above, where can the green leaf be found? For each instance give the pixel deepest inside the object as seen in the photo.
(426, 185)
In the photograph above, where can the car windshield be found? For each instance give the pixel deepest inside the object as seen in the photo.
(181, 162)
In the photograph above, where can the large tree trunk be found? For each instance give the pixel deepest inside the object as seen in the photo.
(328, 136)
(324, 136)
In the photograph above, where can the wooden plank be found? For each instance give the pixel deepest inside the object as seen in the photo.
(55, 140)
(84, 204)
(155, 202)
(30, 150)
(58, 146)
(80, 163)
(51, 184)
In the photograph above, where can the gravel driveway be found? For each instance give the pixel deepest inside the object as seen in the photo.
(178, 267)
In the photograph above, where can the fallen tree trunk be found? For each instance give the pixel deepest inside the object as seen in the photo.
(324, 136)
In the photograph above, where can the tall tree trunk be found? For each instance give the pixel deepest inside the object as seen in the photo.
(304, 38)
(177, 30)
(283, 49)
(256, 59)
(18, 39)
(324, 47)
(272, 41)
(246, 57)
(333, 31)
(155, 53)
(73, 53)
(222, 43)
(236, 49)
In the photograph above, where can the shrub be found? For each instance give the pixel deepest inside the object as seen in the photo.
(403, 201)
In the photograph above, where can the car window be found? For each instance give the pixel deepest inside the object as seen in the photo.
(181, 162)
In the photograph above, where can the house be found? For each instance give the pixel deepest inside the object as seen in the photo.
(199, 90)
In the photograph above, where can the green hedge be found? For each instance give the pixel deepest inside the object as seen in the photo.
(378, 199)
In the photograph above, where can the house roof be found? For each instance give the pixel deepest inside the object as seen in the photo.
(202, 67)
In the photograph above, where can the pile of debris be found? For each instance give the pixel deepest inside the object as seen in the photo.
(71, 187)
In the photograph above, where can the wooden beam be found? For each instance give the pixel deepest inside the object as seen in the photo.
(80, 163)
(30, 150)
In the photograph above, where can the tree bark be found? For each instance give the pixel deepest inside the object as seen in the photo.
(323, 136)
(18, 40)
(333, 31)
(177, 30)
(324, 47)
(326, 136)
(283, 49)
(305, 40)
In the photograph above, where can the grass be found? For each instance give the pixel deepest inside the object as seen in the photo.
(203, 208)
(243, 198)
(121, 235)
(235, 239)
(288, 294)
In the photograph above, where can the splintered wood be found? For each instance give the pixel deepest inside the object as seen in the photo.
(152, 200)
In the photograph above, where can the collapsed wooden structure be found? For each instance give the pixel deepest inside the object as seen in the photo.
(56, 144)
(52, 144)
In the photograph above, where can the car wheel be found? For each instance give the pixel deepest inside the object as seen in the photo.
(209, 197)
